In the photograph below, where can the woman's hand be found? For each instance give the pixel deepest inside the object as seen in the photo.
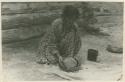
(60, 59)
(57, 54)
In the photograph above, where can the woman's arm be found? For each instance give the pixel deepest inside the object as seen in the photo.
(56, 30)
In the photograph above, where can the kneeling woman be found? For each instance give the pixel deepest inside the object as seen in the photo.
(61, 43)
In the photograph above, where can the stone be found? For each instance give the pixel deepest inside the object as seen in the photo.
(114, 49)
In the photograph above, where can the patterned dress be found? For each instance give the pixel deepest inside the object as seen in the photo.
(67, 44)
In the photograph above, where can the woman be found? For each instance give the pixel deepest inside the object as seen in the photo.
(62, 40)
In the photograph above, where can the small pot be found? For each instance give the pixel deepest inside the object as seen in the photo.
(92, 55)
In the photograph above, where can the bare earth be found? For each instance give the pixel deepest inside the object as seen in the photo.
(21, 65)
(19, 61)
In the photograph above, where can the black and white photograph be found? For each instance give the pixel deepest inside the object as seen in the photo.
(62, 41)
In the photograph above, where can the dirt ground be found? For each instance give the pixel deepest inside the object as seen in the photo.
(19, 64)
(19, 61)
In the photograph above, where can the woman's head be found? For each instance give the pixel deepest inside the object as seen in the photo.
(70, 12)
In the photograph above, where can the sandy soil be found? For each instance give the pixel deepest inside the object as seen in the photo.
(19, 64)
(19, 61)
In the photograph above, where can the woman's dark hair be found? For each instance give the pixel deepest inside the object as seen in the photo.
(69, 14)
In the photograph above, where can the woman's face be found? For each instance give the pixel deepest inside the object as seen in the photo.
(73, 19)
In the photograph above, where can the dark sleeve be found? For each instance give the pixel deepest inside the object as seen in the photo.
(75, 43)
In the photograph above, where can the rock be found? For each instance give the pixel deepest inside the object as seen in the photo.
(27, 20)
(114, 49)
(69, 64)
(19, 34)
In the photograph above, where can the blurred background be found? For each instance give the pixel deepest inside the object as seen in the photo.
(24, 23)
